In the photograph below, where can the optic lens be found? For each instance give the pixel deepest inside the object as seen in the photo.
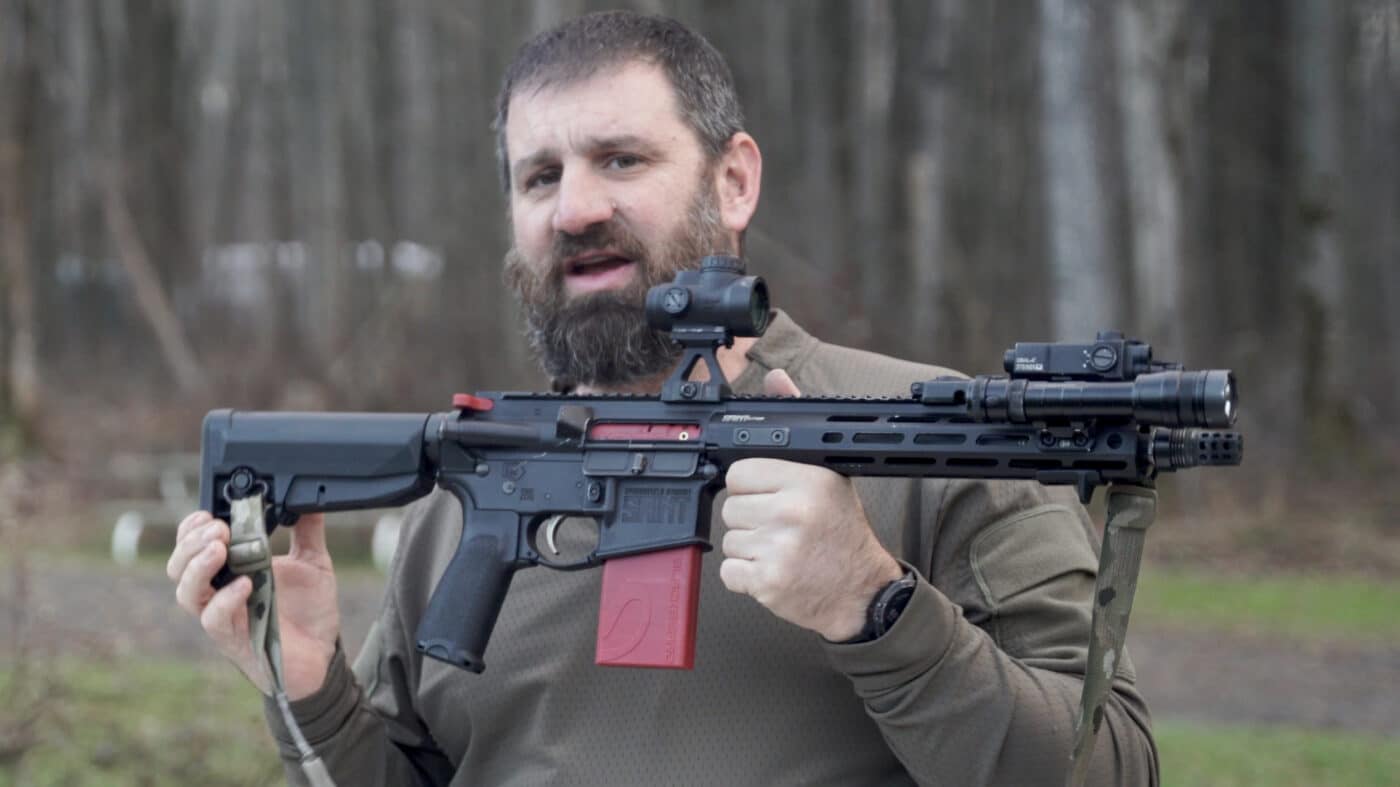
(758, 307)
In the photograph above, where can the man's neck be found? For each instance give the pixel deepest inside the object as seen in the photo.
(732, 361)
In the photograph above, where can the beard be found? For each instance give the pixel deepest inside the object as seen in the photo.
(602, 339)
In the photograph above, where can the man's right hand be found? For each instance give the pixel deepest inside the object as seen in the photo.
(308, 617)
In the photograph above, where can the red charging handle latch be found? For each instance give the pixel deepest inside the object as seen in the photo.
(478, 404)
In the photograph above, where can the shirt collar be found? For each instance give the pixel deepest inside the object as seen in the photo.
(783, 346)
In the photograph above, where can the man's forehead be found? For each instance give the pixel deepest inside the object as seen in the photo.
(630, 99)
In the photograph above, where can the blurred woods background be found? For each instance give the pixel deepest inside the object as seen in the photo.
(264, 204)
(270, 204)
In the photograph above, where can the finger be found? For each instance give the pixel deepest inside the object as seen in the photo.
(225, 617)
(740, 544)
(779, 383)
(225, 620)
(737, 575)
(194, 590)
(746, 512)
(191, 544)
(194, 520)
(309, 536)
(760, 474)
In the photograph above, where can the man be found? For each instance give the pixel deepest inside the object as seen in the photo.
(624, 160)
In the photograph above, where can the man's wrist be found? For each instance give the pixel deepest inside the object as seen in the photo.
(855, 614)
(321, 713)
(885, 607)
(310, 675)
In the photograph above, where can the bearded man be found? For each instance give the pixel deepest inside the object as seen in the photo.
(624, 159)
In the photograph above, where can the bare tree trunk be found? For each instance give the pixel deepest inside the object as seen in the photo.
(1247, 295)
(317, 193)
(20, 317)
(818, 183)
(155, 306)
(414, 129)
(872, 95)
(210, 36)
(1188, 104)
(1378, 70)
(1325, 352)
(1083, 286)
(1145, 32)
(1380, 75)
(777, 59)
(930, 252)
(22, 372)
(122, 229)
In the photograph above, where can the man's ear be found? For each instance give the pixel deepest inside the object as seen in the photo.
(737, 178)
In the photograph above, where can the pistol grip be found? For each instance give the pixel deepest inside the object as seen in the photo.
(457, 624)
(648, 609)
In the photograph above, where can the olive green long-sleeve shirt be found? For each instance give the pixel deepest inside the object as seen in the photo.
(977, 683)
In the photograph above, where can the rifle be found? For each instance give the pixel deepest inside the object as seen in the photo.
(647, 467)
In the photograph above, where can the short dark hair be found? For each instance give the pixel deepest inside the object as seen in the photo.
(581, 47)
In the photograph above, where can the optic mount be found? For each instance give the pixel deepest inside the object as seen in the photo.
(704, 310)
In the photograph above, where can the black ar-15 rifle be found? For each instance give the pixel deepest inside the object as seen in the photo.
(647, 467)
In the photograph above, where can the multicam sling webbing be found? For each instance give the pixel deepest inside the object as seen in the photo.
(1131, 509)
(250, 554)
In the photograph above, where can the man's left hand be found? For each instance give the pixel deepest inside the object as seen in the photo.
(799, 542)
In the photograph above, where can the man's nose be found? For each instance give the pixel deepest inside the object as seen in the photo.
(582, 202)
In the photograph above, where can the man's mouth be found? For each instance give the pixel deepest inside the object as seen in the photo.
(597, 271)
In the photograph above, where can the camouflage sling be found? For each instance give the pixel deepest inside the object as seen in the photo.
(249, 553)
(1131, 509)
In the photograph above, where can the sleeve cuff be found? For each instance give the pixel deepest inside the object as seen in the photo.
(322, 713)
(913, 646)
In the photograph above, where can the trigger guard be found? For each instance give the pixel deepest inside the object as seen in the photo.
(550, 525)
(591, 561)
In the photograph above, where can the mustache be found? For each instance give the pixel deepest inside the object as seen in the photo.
(596, 237)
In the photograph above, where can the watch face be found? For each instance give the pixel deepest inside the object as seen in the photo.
(898, 602)
(890, 603)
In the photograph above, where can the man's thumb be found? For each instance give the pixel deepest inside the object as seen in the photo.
(309, 535)
(778, 383)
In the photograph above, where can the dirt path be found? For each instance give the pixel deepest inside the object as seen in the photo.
(101, 609)
(1209, 676)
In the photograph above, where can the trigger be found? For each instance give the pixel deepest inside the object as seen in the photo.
(551, 526)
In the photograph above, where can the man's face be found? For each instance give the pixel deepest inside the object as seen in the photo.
(611, 194)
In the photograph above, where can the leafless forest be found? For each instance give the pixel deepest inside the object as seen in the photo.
(294, 204)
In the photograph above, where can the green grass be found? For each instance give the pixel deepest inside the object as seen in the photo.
(1310, 608)
(1216, 756)
(175, 723)
(133, 723)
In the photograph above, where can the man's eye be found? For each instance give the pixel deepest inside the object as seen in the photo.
(544, 177)
(623, 161)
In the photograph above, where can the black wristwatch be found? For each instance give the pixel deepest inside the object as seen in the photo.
(886, 608)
